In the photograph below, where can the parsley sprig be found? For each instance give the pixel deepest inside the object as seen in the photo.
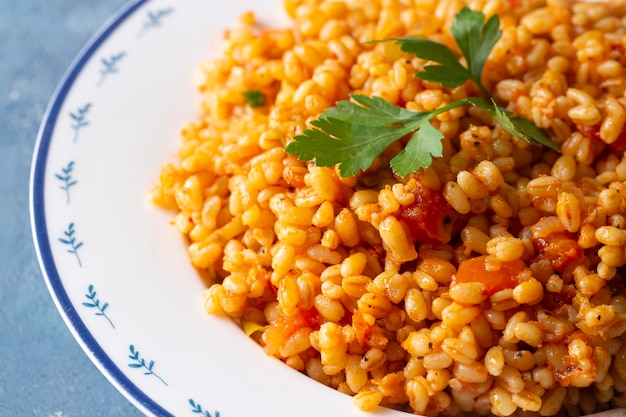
(354, 133)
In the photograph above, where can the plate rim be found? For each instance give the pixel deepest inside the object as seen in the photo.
(38, 223)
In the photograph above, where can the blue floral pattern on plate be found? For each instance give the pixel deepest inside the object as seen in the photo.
(66, 179)
(72, 244)
(94, 303)
(154, 19)
(110, 65)
(139, 362)
(197, 409)
(79, 119)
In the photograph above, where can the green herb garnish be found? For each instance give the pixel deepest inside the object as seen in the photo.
(254, 98)
(356, 132)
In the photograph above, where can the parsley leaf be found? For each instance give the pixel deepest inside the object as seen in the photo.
(473, 39)
(522, 128)
(254, 98)
(450, 73)
(355, 133)
(476, 40)
(419, 151)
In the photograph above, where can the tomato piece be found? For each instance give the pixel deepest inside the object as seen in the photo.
(429, 216)
(593, 133)
(620, 143)
(475, 270)
(560, 249)
(554, 300)
(308, 318)
(279, 331)
(362, 328)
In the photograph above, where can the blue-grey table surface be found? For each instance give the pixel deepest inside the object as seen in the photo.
(43, 371)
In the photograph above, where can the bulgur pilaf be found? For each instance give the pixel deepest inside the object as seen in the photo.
(491, 282)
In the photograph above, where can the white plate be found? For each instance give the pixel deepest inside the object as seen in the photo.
(117, 270)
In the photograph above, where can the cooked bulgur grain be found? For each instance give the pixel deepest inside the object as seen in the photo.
(491, 282)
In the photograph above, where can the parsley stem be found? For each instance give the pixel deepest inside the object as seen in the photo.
(481, 87)
(474, 101)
